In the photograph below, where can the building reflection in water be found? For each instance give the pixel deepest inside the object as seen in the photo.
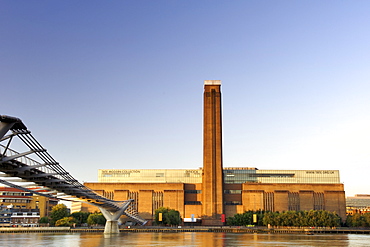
(182, 239)
(202, 239)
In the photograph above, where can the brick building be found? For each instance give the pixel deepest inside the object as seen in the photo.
(211, 191)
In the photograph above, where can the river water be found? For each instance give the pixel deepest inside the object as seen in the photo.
(204, 239)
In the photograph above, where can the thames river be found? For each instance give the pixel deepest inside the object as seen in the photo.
(205, 239)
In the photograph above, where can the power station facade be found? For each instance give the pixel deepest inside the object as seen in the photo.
(211, 192)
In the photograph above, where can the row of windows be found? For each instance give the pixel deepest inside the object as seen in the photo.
(193, 191)
(237, 176)
(233, 203)
(280, 176)
(293, 201)
(232, 191)
(4, 221)
(157, 200)
(193, 203)
(26, 221)
(225, 191)
(21, 207)
(10, 214)
(16, 200)
(25, 214)
(157, 175)
(16, 194)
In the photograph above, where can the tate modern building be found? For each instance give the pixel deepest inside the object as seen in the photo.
(213, 192)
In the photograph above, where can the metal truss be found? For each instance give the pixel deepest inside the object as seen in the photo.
(43, 171)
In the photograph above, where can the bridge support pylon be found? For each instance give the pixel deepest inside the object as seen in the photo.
(111, 226)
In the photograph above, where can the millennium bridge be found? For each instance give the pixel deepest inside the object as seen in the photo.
(36, 171)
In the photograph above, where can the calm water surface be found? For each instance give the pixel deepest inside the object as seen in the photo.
(206, 239)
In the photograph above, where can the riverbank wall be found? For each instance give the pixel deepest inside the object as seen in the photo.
(309, 231)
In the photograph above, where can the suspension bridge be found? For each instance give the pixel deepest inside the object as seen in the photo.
(39, 170)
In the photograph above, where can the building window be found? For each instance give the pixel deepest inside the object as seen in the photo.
(293, 201)
(193, 191)
(232, 191)
(193, 203)
(318, 201)
(268, 201)
(157, 200)
(239, 176)
(159, 175)
(273, 175)
(108, 194)
(135, 196)
(233, 203)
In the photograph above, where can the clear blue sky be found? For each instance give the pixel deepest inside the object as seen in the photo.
(119, 84)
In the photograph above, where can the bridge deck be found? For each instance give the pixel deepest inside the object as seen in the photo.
(46, 172)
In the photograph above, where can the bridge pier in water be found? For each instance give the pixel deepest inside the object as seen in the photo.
(111, 226)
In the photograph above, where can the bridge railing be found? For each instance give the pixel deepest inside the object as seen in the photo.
(31, 163)
(4, 151)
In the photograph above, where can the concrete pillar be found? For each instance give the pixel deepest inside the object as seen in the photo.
(111, 227)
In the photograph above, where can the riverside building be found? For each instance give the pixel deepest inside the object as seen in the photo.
(22, 201)
(212, 192)
(360, 203)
